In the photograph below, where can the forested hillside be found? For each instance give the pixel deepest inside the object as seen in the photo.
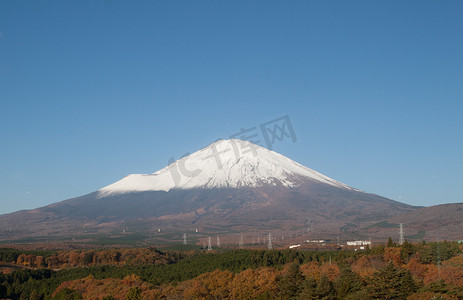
(409, 271)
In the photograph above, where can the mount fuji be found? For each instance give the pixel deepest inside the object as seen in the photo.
(228, 187)
(223, 164)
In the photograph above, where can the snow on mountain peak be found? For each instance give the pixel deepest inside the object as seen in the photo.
(223, 164)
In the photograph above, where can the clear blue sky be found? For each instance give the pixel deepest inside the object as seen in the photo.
(91, 91)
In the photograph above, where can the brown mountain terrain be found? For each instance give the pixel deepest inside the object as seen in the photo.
(438, 222)
(324, 210)
(251, 195)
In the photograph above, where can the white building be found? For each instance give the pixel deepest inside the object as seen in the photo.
(316, 241)
(358, 243)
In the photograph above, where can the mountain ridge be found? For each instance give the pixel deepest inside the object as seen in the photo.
(256, 191)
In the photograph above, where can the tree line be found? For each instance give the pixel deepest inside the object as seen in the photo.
(383, 272)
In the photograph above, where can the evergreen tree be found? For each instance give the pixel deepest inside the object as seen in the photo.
(376, 250)
(290, 284)
(437, 287)
(359, 295)
(407, 251)
(348, 283)
(308, 289)
(35, 296)
(67, 294)
(325, 289)
(392, 283)
(448, 250)
(390, 243)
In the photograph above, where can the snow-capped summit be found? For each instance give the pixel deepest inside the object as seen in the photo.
(228, 187)
(223, 164)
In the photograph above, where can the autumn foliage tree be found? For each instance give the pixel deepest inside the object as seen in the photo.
(363, 267)
(214, 284)
(250, 284)
(393, 255)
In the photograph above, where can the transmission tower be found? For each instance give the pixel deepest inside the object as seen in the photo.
(218, 241)
(401, 234)
(241, 244)
(209, 246)
(184, 239)
(269, 246)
